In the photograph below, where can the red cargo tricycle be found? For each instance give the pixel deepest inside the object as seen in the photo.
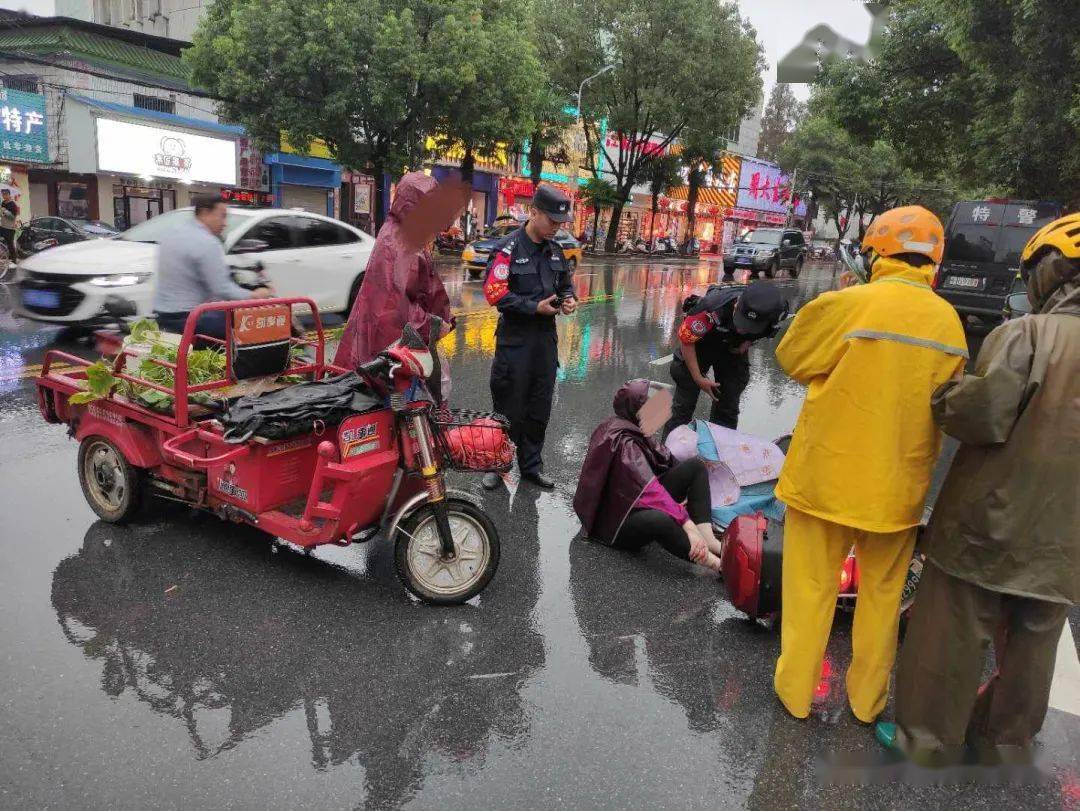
(379, 469)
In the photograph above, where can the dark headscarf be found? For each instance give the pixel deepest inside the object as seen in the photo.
(620, 463)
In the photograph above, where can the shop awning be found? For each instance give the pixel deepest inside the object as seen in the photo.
(168, 119)
(707, 196)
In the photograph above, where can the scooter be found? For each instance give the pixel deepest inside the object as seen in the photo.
(752, 563)
(313, 477)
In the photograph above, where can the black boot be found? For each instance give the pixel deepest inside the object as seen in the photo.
(539, 479)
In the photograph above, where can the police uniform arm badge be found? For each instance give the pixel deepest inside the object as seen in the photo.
(695, 327)
(497, 282)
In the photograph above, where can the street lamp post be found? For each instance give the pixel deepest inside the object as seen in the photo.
(581, 89)
(585, 81)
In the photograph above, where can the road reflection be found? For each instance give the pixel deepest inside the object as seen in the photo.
(212, 629)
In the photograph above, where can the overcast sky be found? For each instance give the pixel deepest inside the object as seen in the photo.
(780, 24)
(33, 6)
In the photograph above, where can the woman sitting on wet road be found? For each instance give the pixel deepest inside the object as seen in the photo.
(631, 490)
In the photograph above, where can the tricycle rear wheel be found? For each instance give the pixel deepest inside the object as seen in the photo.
(423, 570)
(113, 487)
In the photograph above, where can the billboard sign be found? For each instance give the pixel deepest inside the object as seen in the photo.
(765, 187)
(23, 134)
(137, 149)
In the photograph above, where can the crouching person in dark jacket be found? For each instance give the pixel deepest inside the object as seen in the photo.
(632, 492)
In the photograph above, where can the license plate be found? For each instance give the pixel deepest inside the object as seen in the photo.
(49, 299)
(743, 260)
(970, 282)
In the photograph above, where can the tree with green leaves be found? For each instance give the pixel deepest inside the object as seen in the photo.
(700, 153)
(985, 95)
(491, 102)
(598, 194)
(663, 174)
(547, 140)
(782, 114)
(374, 79)
(677, 64)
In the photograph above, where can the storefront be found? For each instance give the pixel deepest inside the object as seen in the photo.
(23, 144)
(248, 198)
(515, 196)
(484, 198)
(358, 200)
(300, 181)
(145, 162)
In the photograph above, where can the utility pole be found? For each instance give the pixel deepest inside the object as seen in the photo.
(791, 198)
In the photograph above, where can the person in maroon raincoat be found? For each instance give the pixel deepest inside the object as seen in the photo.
(401, 286)
(631, 491)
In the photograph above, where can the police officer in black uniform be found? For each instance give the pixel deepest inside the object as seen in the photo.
(716, 334)
(530, 282)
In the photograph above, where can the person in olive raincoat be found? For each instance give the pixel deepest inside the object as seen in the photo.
(862, 453)
(1003, 546)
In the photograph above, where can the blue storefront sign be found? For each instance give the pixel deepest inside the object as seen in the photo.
(23, 134)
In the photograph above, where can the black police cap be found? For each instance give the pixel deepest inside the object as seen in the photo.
(552, 202)
(760, 307)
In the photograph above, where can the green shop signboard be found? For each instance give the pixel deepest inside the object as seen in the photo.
(23, 134)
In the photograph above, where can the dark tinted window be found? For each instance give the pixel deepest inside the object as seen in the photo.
(276, 232)
(44, 223)
(317, 233)
(973, 231)
(1021, 221)
(154, 103)
(971, 243)
(764, 236)
(796, 237)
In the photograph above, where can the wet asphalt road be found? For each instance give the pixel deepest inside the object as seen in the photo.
(186, 662)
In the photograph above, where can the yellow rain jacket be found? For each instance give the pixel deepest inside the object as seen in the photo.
(871, 355)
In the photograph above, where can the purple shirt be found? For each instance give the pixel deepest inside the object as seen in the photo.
(655, 497)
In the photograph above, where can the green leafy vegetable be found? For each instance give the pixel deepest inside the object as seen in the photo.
(99, 383)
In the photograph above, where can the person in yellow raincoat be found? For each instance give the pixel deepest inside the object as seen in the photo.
(862, 453)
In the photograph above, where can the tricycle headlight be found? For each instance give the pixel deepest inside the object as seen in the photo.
(119, 279)
(468, 254)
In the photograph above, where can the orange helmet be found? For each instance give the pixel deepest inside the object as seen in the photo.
(908, 229)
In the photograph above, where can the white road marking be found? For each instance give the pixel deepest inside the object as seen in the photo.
(1065, 688)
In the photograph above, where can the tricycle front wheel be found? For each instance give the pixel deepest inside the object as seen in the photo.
(113, 487)
(427, 573)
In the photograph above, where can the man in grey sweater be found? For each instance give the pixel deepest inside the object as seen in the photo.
(191, 270)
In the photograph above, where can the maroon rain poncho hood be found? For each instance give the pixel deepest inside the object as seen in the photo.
(400, 286)
(620, 463)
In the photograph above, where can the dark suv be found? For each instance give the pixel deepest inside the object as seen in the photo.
(767, 250)
(983, 242)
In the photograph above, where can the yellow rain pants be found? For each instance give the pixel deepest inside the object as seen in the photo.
(814, 553)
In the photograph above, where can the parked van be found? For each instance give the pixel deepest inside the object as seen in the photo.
(983, 242)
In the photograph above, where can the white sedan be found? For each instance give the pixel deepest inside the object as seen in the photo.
(88, 283)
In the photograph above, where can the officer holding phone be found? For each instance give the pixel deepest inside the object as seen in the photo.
(530, 282)
(716, 335)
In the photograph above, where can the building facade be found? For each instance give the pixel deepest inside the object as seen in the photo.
(124, 137)
(172, 19)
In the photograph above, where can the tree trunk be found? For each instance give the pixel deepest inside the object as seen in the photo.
(691, 205)
(379, 207)
(536, 159)
(613, 226)
(468, 166)
(595, 225)
(652, 222)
